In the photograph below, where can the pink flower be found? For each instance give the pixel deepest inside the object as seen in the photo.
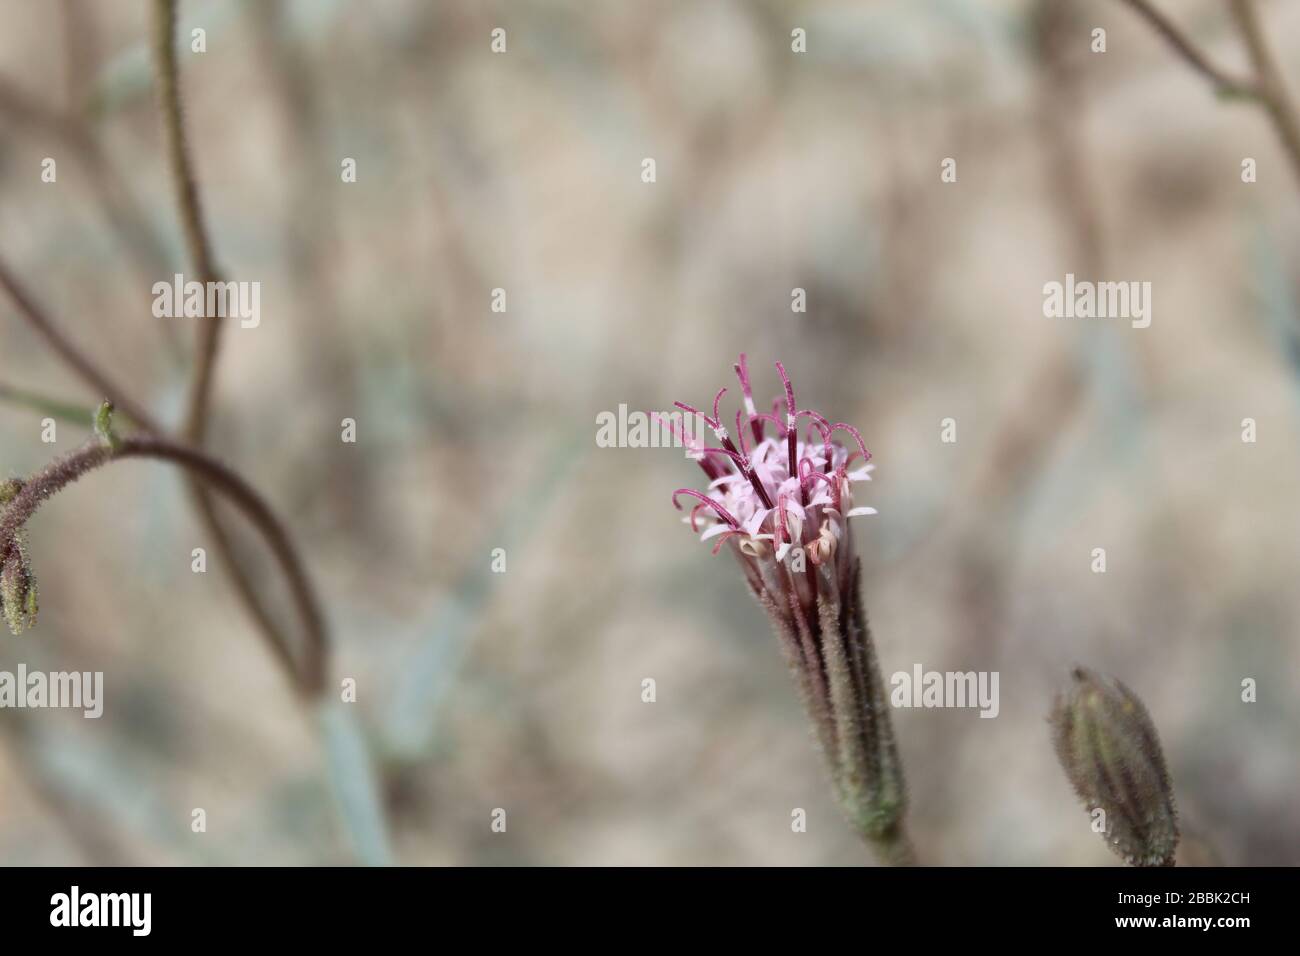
(782, 506)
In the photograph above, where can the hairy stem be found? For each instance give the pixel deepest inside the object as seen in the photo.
(308, 674)
(219, 539)
(191, 213)
(894, 847)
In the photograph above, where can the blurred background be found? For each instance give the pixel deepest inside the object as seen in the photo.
(522, 171)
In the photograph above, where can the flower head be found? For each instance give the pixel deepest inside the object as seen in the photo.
(774, 498)
(781, 503)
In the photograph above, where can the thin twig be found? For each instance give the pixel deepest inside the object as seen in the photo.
(1272, 84)
(217, 537)
(191, 213)
(199, 250)
(80, 362)
(308, 674)
(114, 201)
(60, 409)
(1224, 82)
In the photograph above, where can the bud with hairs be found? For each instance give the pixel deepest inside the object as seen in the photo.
(1108, 747)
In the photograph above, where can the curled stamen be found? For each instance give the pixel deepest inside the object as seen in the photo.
(711, 422)
(716, 506)
(823, 426)
(695, 511)
(739, 459)
(833, 482)
(790, 407)
(742, 373)
(716, 399)
(688, 441)
(857, 436)
(722, 538)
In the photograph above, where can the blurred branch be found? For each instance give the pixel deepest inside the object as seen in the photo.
(200, 254)
(72, 354)
(114, 201)
(309, 676)
(1224, 83)
(53, 407)
(191, 212)
(1277, 99)
(1267, 86)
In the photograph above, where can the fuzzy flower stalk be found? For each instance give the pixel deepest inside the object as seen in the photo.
(781, 505)
(1108, 747)
(17, 583)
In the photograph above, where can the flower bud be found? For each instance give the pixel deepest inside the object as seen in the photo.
(103, 423)
(1108, 747)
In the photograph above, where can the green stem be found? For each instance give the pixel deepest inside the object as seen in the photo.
(893, 847)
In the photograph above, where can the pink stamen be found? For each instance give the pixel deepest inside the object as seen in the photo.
(833, 482)
(733, 455)
(823, 426)
(857, 436)
(716, 399)
(742, 372)
(740, 436)
(688, 442)
(803, 482)
(722, 538)
(716, 506)
(791, 418)
(764, 416)
(695, 511)
(711, 422)
(790, 407)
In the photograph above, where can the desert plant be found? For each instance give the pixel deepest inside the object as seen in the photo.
(782, 507)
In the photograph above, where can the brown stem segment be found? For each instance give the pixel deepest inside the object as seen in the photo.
(191, 213)
(67, 350)
(307, 673)
(1184, 47)
(1272, 84)
(89, 370)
